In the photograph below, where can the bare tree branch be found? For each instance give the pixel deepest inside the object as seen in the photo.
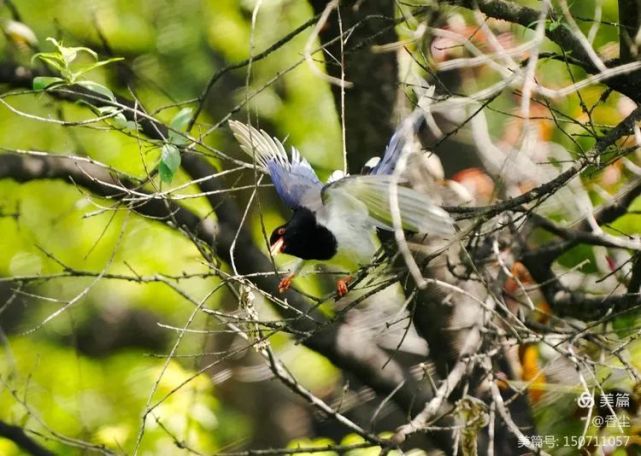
(18, 436)
(335, 342)
(628, 84)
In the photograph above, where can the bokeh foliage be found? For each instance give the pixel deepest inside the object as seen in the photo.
(57, 376)
(171, 50)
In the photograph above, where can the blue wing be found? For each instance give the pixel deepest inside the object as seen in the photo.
(294, 179)
(406, 130)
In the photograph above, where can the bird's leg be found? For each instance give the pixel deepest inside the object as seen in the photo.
(286, 282)
(341, 285)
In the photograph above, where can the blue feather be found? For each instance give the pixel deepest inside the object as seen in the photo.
(294, 179)
(406, 129)
(296, 184)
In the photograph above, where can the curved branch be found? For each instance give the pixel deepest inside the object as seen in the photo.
(579, 305)
(18, 436)
(573, 303)
(335, 342)
(628, 84)
(343, 348)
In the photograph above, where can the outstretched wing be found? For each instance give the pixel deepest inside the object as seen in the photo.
(418, 213)
(405, 132)
(294, 179)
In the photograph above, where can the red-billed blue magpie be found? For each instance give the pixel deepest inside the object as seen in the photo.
(336, 222)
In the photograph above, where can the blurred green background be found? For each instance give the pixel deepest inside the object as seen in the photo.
(92, 371)
(78, 375)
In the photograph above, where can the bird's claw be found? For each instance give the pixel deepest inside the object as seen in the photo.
(285, 284)
(341, 286)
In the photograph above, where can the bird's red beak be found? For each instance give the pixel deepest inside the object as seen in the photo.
(277, 247)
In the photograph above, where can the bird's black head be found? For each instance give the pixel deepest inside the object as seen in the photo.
(303, 237)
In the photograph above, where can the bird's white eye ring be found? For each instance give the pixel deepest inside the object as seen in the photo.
(280, 231)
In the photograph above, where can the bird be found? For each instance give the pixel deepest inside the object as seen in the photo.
(336, 222)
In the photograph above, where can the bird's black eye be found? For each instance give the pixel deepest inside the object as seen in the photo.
(280, 231)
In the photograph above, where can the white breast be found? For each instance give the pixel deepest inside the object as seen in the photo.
(347, 218)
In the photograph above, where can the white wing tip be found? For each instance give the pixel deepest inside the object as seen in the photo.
(335, 176)
(258, 144)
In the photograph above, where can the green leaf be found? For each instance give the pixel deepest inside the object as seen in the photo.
(624, 324)
(181, 120)
(43, 82)
(104, 110)
(132, 126)
(61, 60)
(177, 124)
(120, 121)
(169, 162)
(170, 155)
(87, 68)
(98, 88)
(177, 139)
(52, 59)
(82, 49)
(69, 54)
(165, 173)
